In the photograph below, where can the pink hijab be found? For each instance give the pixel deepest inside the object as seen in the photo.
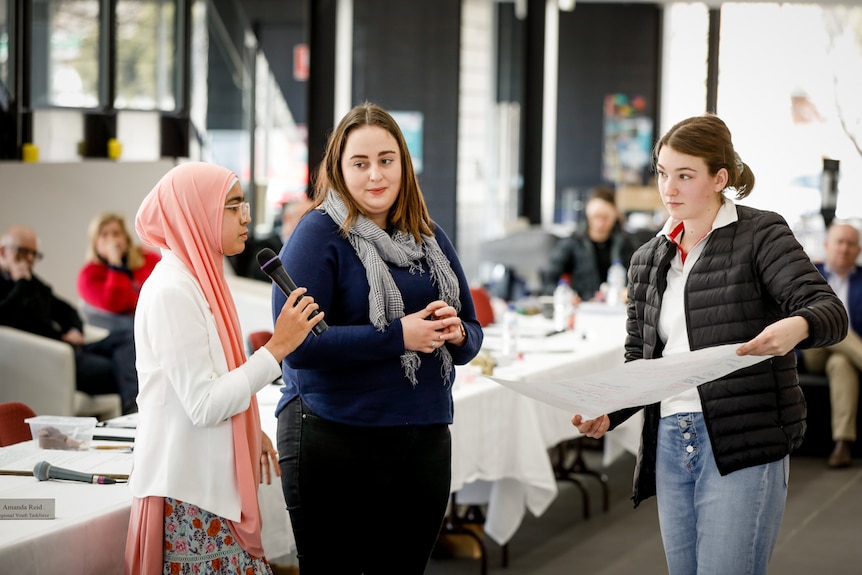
(184, 213)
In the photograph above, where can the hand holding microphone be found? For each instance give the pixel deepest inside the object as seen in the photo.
(272, 266)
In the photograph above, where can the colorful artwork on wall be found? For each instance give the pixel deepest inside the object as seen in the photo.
(628, 139)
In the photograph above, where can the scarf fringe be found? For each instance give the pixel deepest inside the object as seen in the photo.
(410, 363)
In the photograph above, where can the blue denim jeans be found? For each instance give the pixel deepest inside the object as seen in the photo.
(713, 524)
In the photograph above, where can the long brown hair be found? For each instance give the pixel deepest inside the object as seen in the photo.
(134, 255)
(409, 213)
(708, 137)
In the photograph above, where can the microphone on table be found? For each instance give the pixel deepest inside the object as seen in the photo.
(44, 471)
(272, 266)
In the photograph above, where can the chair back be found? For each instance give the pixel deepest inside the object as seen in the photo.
(257, 338)
(13, 428)
(482, 303)
(37, 371)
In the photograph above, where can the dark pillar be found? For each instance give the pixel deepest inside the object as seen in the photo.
(321, 78)
(829, 190)
(16, 119)
(99, 127)
(712, 60)
(175, 127)
(108, 63)
(530, 205)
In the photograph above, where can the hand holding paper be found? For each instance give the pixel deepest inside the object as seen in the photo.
(636, 383)
(594, 428)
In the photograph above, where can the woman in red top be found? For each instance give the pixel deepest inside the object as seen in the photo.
(116, 268)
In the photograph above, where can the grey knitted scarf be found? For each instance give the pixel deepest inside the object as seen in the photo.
(374, 246)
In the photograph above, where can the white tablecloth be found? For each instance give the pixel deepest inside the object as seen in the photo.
(89, 533)
(499, 456)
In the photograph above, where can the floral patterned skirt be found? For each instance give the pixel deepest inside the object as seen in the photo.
(200, 543)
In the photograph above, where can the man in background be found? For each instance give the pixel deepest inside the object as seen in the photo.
(294, 207)
(586, 256)
(842, 362)
(29, 304)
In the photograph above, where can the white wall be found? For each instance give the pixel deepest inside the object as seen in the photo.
(476, 120)
(59, 200)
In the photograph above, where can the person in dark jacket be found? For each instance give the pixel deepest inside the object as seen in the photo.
(585, 257)
(29, 304)
(717, 456)
(842, 363)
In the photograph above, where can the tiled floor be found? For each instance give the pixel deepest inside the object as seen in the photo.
(821, 532)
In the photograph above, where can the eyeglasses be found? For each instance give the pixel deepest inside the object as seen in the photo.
(242, 208)
(26, 252)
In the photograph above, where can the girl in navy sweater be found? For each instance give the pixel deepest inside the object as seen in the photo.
(363, 424)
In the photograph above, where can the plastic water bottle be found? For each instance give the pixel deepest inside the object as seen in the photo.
(616, 283)
(562, 306)
(510, 333)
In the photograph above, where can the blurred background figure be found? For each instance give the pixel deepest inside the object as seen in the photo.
(842, 362)
(292, 210)
(111, 279)
(29, 304)
(586, 256)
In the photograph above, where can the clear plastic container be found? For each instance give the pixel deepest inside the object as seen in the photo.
(67, 433)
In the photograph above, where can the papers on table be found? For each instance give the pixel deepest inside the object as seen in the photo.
(533, 337)
(25, 455)
(634, 384)
(123, 428)
(115, 434)
(128, 421)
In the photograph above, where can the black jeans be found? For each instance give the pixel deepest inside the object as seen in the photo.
(108, 366)
(363, 500)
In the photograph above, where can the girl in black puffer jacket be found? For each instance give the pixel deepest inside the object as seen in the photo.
(717, 455)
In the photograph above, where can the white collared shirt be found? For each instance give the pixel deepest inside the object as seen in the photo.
(672, 324)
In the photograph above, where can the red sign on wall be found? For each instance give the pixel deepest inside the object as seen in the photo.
(300, 62)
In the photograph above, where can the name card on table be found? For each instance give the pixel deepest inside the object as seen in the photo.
(30, 508)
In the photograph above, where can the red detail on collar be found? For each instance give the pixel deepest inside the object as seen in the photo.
(676, 232)
(675, 236)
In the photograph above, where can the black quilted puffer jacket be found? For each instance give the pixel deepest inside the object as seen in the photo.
(750, 274)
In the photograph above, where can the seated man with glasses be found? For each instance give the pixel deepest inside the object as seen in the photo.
(29, 304)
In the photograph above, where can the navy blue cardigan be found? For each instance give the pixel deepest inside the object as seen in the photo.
(352, 373)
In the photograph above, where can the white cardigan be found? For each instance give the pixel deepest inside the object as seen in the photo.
(184, 442)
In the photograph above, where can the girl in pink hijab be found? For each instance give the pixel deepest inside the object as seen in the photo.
(199, 449)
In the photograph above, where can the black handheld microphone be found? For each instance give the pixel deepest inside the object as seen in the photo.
(44, 471)
(272, 266)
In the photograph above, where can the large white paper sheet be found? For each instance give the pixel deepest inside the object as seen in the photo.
(636, 383)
